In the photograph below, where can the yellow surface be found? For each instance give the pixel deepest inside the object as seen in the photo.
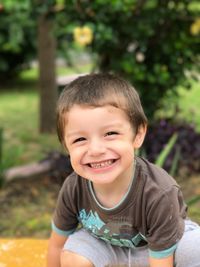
(23, 252)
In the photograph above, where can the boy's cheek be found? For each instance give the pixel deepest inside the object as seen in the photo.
(75, 155)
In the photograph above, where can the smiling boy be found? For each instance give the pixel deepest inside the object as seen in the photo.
(115, 208)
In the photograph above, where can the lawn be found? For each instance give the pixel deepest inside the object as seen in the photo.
(22, 142)
(189, 103)
(184, 107)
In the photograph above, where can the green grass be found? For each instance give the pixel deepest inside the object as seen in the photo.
(194, 6)
(22, 142)
(189, 104)
(32, 73)
(185, 107)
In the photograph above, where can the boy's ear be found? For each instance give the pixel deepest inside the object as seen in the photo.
(140, 135)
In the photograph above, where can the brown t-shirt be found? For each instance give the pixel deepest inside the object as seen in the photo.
(152, 212)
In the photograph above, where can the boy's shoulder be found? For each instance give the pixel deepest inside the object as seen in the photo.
(72, 183)
(71, 177)
(152, 173)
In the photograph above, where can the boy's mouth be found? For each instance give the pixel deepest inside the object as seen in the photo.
(102, 164)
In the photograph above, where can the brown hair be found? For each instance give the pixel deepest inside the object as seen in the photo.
(100, 90)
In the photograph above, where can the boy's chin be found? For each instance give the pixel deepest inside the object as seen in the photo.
(102, 179)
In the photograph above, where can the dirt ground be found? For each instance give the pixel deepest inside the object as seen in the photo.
(26, 206)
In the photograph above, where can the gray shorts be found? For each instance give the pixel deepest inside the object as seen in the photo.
(102, 254)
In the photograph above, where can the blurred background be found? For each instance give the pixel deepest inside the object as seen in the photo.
(155, 44)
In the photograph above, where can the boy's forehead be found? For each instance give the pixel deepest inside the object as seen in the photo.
(103, 114)
(77, 109)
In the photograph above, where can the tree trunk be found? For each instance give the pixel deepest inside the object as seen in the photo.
(47, 75)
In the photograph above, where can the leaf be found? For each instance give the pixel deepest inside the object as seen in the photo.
(165, 152)
(175, 161)
(60, 2)
(193, 200)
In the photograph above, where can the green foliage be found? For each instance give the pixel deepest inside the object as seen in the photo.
(17, 37)
(193, 200)
(165, 152)
(148, 42)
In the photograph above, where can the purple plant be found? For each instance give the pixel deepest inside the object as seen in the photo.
(187, 145)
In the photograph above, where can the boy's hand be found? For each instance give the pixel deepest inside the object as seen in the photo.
(165, 262)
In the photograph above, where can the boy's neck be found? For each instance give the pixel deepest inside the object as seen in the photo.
(109, 195)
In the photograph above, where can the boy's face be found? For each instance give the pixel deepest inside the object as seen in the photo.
(101, 143)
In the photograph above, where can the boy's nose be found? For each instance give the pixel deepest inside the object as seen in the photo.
(96, 147)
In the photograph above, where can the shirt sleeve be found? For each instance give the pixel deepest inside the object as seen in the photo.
(61, 232)
(64, 219)
(163, 253)
(164, 220)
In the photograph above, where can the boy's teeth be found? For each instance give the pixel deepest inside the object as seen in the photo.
(101, 164)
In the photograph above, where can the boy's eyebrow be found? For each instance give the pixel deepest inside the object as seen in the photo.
(106, 126)
(71, 134)
(114, 124)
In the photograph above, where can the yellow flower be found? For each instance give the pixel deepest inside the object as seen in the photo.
(83, 35)
(195, 27)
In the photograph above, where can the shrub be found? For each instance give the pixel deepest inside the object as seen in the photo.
(17, 38)
(186, 150)
(151, 43)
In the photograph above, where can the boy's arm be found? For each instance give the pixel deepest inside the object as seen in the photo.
(56, 243)
(164, 262)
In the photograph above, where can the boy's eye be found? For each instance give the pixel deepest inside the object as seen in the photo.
(80, 139)
(111, 133)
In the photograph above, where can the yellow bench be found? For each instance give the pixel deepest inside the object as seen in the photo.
(23, 252)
